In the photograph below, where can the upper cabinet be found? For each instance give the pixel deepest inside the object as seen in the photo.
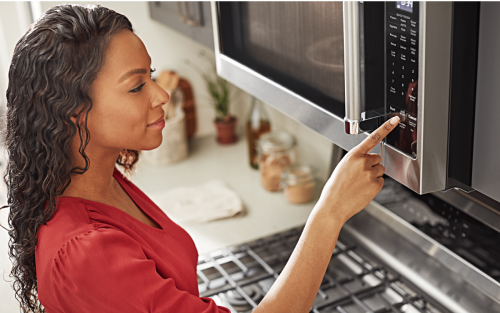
(191, 18)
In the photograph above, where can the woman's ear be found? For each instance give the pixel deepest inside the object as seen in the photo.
(75, 113)
(73, 117)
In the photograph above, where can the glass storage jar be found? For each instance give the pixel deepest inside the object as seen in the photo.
(276, 151)
(298, 183)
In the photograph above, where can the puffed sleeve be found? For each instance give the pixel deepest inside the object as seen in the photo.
(105, 270)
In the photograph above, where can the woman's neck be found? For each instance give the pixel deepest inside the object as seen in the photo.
(97, 182)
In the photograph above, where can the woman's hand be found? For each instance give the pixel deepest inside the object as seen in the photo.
(358, 177)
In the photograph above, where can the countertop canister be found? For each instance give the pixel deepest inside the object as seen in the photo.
(298, 183)
(276, 151)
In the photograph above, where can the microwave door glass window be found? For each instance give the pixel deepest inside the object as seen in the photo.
(299, 45)
(299, 39)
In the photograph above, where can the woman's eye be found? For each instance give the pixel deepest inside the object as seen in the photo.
(138, 88)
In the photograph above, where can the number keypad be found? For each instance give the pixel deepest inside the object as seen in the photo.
(402, 75)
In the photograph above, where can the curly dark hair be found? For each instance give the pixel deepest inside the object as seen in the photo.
(53, 67)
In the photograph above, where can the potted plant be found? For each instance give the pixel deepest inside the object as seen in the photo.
(219, 90)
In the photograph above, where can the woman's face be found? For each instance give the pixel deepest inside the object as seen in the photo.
(125, 98)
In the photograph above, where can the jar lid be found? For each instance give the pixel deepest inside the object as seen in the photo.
(296, 174)
(276, 141)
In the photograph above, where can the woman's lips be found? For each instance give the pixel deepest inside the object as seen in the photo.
(159, 124)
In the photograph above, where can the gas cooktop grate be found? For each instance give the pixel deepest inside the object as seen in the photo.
(239, 277)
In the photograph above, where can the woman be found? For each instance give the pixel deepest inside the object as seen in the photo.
(83, 237)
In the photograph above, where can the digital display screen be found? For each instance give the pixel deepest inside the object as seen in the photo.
(405, 6)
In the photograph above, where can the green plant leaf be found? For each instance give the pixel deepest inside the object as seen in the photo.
(217, 87)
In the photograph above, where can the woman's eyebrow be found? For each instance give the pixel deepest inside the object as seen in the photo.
(135, 71)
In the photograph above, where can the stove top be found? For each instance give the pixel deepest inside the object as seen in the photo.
(239, 277)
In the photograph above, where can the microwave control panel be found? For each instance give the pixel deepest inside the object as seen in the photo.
(402, 22)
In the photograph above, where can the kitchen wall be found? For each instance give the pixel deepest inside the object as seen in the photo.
(168, 50)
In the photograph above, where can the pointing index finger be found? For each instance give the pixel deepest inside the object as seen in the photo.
(374, 139)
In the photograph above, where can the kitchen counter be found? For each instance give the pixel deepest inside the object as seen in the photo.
(265, 213)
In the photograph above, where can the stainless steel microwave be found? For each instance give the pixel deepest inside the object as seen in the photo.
(342, 68)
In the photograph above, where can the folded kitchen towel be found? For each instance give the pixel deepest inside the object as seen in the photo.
(200, 204)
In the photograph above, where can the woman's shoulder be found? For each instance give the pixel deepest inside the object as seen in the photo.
(70, 223)
(87, 253)
(83, 259)
(96, 247)
(70, 219)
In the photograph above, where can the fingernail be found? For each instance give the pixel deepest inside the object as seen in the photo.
(394, 120)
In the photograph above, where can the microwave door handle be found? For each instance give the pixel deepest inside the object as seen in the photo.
(352, 67)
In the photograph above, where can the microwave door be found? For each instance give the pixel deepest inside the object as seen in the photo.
(289, 54)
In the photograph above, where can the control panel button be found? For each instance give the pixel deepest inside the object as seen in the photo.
(413, 60)
(412, 122)
(402, 118)
(402, 28)
(403, 38)
(393, 35)
(402, 47)
(413, 33)
(393, 44)
(402, 56)
(413, 23)
(393, 17)
(395, 111)
(413, 42)
(413, 51)
(393, 27)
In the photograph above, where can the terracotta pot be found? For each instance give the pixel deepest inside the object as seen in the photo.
(226, 131)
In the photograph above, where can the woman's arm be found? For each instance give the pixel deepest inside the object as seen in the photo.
(354, 183)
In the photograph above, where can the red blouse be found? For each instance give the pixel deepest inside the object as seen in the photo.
(92, 257)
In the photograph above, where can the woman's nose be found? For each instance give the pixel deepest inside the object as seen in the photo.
(160, 97)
